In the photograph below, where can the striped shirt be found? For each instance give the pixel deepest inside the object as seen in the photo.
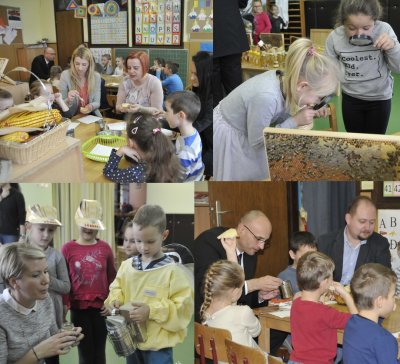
(188, 150)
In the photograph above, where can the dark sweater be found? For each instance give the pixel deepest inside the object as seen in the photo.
(12, 213)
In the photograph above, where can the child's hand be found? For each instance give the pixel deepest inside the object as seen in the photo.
(158, 113)
(229, 245)
(57, 96)
(321, 113)
(130, 152)
(105, 311)
(385, 42)
(304, 116)
(140, 312)
(339, 289)
(116, 303)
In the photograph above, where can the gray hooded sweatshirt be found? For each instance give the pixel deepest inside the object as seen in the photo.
(365, 70)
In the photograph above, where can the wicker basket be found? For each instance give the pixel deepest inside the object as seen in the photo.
(24, 153)
(106, 140)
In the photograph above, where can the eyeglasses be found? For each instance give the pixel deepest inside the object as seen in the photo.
(258, 238)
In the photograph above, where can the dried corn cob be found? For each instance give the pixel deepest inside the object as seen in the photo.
(18, 137)
(32, 119)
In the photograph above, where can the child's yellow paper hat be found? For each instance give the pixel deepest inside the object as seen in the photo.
(89, 215)
(37, 214)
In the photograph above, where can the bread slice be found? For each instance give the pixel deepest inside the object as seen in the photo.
(228, 234)
(125, 105)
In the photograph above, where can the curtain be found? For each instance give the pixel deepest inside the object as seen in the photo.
(67, 196)
(326, 204)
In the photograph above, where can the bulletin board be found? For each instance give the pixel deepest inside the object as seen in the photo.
(4, 20)
(108, 30)
(199, 24)
(179, 56)
(158, 23)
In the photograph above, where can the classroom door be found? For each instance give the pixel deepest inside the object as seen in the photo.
(274, 199)
(69, 35)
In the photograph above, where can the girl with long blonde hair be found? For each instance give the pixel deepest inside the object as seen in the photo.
(80, 86)
(273, 98)
(223, 285)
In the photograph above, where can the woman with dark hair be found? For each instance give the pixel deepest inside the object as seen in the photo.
(201, 69)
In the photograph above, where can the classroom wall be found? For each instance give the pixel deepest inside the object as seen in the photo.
(37, 193)
(174, 198)
(37, 19)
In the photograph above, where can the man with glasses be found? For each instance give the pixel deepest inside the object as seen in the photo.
(254, 230)
(41, 65)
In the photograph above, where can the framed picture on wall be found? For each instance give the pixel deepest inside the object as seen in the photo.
(158, 23)
(108, 23)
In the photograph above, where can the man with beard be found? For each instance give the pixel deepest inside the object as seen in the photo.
(357, 243)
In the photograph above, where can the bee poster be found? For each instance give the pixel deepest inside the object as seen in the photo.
(200, 19)
(158, 22)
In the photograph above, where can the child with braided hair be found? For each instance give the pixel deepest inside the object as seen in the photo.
(223, 285)
(151, 152)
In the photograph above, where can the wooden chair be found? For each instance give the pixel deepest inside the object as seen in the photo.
(112, 101)
(238, 354)
(210, 343)
(331, 116)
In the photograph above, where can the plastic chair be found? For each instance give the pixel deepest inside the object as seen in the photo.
(238, 354)
(210, 343)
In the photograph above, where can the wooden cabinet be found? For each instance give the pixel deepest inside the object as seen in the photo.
(181, 229)
(392, 15)
(320, 14)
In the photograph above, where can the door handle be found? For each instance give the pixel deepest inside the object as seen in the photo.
(218, 212)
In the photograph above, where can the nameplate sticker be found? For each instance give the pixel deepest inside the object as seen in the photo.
(149, 292)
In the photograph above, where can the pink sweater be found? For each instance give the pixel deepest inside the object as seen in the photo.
(262, 24)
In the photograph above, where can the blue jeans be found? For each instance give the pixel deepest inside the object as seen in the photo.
(162, 356)
(6, 239)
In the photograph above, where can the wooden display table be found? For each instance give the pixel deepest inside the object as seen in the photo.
(18, 91)
(62, 164)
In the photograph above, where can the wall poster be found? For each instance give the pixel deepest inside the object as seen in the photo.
(108, 22)
(158, 23)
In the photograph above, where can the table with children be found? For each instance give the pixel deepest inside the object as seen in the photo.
(270, 321)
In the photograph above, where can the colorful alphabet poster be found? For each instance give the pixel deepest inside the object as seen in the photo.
(389, 226)
(108, 23)
(158, 22)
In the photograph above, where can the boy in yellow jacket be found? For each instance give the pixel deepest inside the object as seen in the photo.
(158, 291)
